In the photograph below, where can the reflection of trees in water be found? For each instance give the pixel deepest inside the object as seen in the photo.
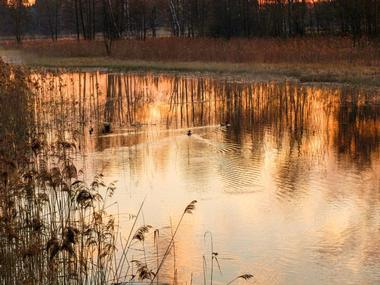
(275, 113)
(290, 117)
(358, 129)
(298, 125)
(16, 128)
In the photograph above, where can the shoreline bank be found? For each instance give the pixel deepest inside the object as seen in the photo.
(303, 72)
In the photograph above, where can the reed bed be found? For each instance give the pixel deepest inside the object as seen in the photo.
(312, 50)
(54, 228)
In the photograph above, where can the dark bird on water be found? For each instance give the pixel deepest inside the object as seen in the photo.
(189, 133)
(226, 124)
(106, 128)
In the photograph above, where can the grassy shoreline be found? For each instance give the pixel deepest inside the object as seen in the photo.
(313, 73)
(332, 60)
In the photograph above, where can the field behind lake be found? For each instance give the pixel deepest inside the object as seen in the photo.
(319, 50)
(316, 59)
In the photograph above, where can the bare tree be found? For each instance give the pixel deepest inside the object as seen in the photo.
(17, 11)
(195, 18)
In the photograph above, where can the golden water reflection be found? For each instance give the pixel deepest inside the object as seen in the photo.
(287, 176)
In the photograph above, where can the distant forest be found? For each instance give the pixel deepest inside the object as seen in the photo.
(88, 19)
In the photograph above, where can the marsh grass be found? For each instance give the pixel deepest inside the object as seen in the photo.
(320, 50)
(319, 59)
(54, 228)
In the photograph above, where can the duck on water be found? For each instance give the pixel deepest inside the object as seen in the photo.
(225, 124)
(106, 129)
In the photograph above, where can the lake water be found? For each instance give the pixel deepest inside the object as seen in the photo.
(286, 175)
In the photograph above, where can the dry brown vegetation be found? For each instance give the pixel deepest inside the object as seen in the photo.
(318, 59)
(53, 226)
(320, 50)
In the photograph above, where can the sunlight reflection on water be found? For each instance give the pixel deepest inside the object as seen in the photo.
(287, 176)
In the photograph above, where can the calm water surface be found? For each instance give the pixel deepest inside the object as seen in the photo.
(287, 176)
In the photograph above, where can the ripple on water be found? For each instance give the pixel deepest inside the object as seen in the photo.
(314, 215)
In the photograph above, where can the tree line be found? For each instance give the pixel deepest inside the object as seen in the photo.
(115, 19)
